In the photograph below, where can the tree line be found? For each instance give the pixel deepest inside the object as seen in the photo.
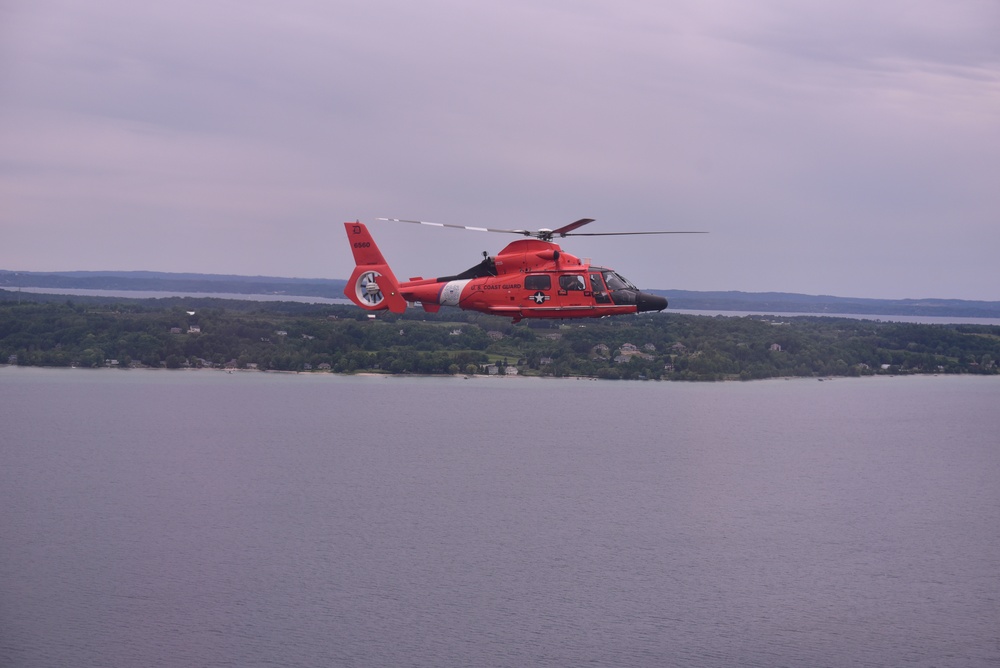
(183, 333)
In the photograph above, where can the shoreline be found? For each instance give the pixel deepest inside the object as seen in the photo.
(459, 376)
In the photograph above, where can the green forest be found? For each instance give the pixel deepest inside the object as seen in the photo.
(181, 333)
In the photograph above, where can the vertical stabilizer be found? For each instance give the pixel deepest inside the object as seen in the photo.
(372, 286)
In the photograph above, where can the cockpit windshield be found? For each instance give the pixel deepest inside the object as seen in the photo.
(616, 281)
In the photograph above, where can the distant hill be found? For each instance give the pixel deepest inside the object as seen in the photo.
(784, 302)
(767, 302)
(153, 281)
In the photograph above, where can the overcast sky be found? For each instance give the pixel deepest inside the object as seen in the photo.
(848, 148)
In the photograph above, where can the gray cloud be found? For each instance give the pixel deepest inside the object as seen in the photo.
(847, 149)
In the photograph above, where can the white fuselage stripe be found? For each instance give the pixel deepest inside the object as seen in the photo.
(451, 293)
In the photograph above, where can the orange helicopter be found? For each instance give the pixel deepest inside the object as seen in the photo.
(530, 278)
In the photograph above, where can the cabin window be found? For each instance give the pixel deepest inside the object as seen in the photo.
(572, 282)
(538, 282)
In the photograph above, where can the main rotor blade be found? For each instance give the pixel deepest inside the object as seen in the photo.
(545, 235)
(459, 227)
(566, 229)
(623, 234)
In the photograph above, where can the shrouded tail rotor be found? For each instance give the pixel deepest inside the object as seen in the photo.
(367, 288)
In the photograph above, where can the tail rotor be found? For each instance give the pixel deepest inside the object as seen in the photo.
(367, 289)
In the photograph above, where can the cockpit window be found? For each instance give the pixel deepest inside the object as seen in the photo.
(597, 287)
(616, 281)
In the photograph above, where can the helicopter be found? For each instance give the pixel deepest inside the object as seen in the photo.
(529, 278)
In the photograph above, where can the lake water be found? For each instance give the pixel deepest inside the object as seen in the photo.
(919, 319)
(157, 518)
(164, 294)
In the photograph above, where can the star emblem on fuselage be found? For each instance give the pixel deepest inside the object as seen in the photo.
(539, 297)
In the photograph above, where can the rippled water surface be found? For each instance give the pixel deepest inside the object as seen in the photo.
(209, 519)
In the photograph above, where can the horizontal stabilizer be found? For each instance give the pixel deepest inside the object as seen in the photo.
(390, 290)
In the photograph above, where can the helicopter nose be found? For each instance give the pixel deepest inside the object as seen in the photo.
(647, 302)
